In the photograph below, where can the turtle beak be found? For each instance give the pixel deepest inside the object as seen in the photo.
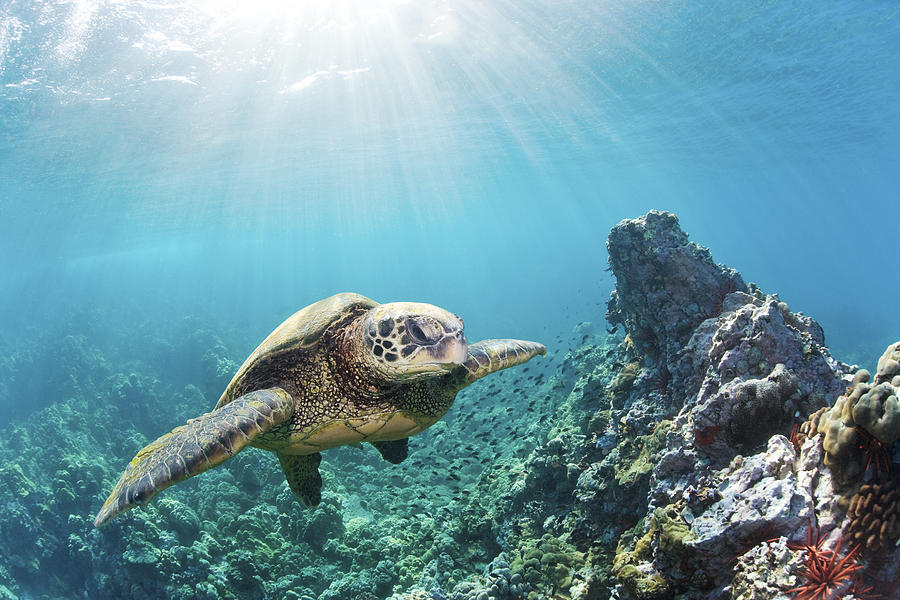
(455, 350)
(446, 355)
(458, 349)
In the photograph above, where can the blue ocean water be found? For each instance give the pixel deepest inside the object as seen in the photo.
(233, 161)
(249, 158)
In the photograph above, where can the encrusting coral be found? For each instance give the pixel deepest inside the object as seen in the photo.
(870, 407)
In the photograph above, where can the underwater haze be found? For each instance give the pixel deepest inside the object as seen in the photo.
(248, 158)
(178, 177)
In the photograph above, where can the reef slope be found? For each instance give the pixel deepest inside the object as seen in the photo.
(707, 447)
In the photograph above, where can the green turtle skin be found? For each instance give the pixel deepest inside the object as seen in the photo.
(343, 370)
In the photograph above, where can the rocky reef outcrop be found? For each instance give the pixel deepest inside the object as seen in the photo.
(665, 285)
(730, 381)
(686, 460)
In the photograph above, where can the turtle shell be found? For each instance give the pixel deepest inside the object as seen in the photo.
(301, 330)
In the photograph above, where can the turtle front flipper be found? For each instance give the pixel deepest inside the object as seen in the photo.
(302, 473)
(189, 450)
(395, 451)
(488, 356)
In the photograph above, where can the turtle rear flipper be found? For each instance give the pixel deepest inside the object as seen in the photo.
(189, 450)
(395, 452)
(302, 473)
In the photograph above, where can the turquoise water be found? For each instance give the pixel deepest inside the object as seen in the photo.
(180, 175)
(206, 156)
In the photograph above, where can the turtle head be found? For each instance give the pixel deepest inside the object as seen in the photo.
(410, 340)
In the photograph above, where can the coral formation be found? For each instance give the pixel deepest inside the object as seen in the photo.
(734, 378)
(765, 570)
(666, 539)
(672, 286)
(546, 565)
(809, 428)
(865, 411)
(875, 517)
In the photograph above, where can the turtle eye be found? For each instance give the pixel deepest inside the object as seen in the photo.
(422, 332)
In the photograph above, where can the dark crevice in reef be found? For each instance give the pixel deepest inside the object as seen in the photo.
(657, 462)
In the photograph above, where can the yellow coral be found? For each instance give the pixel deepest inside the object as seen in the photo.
(871, 406)
(879, 412)
(889, 364)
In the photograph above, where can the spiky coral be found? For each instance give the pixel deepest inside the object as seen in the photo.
(825, 573)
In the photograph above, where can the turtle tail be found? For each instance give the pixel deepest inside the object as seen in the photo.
(487, 356)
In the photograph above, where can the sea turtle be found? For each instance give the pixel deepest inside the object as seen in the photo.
(341, 371)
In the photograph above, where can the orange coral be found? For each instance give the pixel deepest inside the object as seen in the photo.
(875, 516)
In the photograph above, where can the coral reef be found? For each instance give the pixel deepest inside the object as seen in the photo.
(688, 456)
(875, 517)
(727, 477)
